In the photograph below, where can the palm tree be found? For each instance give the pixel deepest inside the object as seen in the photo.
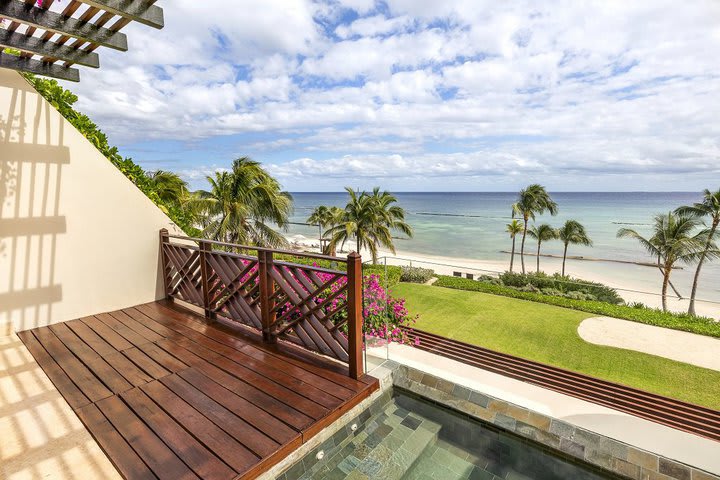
(513, 228)
(320, 217)
(709, 207)
(370, 218)
(533, 200)
(171, 189)
(542, 233)
(572, 232)
(242, 202)
(325, 218)
(672, 241)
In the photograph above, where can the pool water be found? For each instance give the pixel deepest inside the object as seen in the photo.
(411, 438)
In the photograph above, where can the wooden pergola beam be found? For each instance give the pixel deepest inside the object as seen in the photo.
(37, 46)
(19, 11)
(26, 64)
(141, 11)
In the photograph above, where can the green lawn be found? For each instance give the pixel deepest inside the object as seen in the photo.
(548, 334)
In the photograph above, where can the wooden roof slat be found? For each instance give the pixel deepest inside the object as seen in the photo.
(51, 21)
(34, 45)
(68, 37)
(24, 64)
(141, 11)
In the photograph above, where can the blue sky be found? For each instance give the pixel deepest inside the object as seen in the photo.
(417, 95)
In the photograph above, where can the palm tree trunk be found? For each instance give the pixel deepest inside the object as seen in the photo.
(564, 258)
(320, 238)
(357, 245)
(538, 257)
(512, 254)
(693, 292)
(666, 281)
(522, 248)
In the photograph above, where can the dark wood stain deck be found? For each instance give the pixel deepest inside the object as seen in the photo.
(169, 395)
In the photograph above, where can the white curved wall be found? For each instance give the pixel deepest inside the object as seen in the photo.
(76, 236)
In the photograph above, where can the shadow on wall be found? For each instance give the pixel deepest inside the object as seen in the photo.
(32, 157)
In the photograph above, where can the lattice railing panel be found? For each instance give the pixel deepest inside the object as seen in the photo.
(234, 287)
(310, 308)
(183, 278)
(317, 308)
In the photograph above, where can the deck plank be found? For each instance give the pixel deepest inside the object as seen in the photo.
(107, 374)
(123, 330)
(128, 463)
(85, 380)
(169, 394)
(57, 375)
(193, 453)
(158, 456)
(253, 439)
(136, 326)
(289, 415)
(215, 438)
(252, 414)
(107, 333)
(88, 335)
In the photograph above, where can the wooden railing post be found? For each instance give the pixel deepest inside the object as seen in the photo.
(355, 318)
(267, 289)
(205, 248)
(163, 261)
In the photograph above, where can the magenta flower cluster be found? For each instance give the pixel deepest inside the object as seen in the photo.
(383, 314)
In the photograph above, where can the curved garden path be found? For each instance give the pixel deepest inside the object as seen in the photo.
(684, 347)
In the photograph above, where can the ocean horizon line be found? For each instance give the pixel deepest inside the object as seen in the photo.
(511, 191)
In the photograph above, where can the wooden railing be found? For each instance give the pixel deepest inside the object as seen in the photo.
(677, 414)
(315, 307)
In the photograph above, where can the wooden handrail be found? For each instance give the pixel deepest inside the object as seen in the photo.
(283, 300)
(265, 249)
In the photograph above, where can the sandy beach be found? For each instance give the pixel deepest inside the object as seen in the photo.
(634, 282)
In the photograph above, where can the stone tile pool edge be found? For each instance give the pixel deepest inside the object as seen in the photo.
(569, 440)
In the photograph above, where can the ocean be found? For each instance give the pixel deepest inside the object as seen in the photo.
(472, 225)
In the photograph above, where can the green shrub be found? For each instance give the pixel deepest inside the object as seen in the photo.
(562, 285)
(393, 273)
(416, 274)
(677, 321)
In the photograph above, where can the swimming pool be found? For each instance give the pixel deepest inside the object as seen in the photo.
(408, 437)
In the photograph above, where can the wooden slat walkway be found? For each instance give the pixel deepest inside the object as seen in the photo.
(168, 395)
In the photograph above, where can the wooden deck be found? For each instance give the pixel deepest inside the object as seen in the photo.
(168, 395)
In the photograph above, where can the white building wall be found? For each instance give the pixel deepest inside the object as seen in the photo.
(76, 236)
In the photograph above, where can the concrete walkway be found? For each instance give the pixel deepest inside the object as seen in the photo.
(40, 436)
(674, 444)
(691, 348)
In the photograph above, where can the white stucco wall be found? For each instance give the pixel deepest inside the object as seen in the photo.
(76, 236)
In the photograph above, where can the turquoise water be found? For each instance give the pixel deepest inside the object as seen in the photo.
(472, 225)
(412, 439)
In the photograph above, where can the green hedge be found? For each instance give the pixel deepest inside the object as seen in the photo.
(393, 272)
(677, 321)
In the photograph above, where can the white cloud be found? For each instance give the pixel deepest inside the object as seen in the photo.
(601, 87)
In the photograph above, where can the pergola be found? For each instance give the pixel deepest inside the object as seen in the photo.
(54, 35)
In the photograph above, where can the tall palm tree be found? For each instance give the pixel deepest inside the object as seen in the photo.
(169, 186)
(370, 218)
(242, 203)
(708, 208)
(513, 228)
(672, 241)
(572, 232)
(325, 218)
(532, 200)
(320, 216)
(542, 233)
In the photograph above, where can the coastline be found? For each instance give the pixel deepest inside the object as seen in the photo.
(630, 284)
